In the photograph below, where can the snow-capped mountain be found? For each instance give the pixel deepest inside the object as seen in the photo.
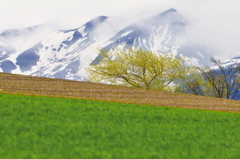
(232, 61)
(13, 42)
(66, 53)
(58, 54)
(166, 32)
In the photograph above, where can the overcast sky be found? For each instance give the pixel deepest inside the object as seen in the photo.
(21, 13)
(212, 21)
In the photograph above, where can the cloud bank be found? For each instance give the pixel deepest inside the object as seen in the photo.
(212, 23)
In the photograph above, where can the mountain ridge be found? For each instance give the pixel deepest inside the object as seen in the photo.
(65, 53)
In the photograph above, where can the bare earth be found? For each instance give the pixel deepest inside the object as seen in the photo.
(39, 86)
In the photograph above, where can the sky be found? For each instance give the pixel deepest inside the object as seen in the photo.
(214, 22)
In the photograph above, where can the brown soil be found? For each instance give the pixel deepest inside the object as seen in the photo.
(39, 86)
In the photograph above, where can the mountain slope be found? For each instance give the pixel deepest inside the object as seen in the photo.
(58, 54)
(15, 41)
(65, 53)
(165, 33)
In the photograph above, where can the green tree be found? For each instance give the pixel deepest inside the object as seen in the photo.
(139, 68)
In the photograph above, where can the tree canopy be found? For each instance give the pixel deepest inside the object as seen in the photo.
(139, 68)
(165, 72)
(219, 81)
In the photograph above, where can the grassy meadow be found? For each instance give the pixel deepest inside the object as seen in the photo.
(59, 128)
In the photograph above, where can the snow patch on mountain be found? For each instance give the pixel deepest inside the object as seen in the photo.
(125, 34)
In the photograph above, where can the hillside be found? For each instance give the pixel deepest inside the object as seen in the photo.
(60, 128)
(40, 86)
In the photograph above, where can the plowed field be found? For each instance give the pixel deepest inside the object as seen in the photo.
(40, 86)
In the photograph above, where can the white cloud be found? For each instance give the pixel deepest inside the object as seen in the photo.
(214, 22)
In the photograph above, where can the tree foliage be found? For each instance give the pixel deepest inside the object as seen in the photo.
(139, 68)
(165, 72)
(219, 81)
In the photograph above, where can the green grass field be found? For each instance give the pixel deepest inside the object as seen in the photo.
(55, 128)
